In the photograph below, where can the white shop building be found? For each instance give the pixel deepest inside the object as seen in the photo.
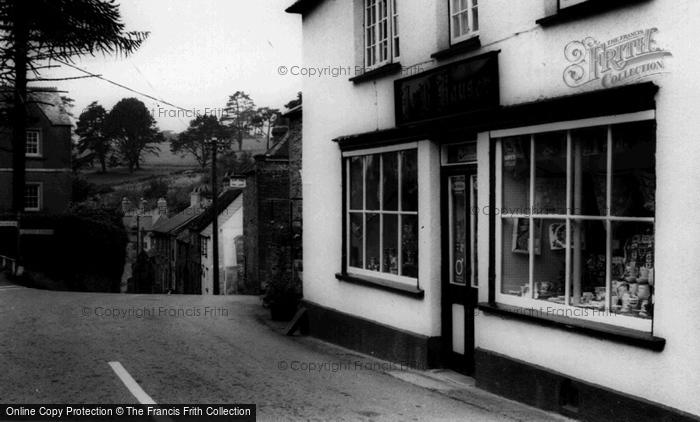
(508, 189)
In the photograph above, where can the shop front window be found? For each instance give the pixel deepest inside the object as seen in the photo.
(576, 209)
(382, 214)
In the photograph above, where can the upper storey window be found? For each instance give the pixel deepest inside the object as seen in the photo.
(381, 33)
(464, 19)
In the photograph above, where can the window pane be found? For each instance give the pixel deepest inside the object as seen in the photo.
(356, 183)
(391, 181)
(515, 262)
(355, 233)
(516, 174)
(459, 252)
(550, 260)
(475, 18)
(31, 196)
(590, 156)
(409, 180)
(634, 174)
(588, 263)
(373, 239)
(456, 6)
(465, 22)
(550, 173)
(456, 32)
(390, 237)
(372, 182)
(32, 142)
(633, 269)
(409, 246)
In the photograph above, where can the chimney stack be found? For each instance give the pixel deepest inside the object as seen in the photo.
(195, 198)
(162, 206)
(126, 205)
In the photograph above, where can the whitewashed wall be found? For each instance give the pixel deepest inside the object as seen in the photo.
(531, 68)
(531, 65)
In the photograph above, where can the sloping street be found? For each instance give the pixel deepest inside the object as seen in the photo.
(56, 347)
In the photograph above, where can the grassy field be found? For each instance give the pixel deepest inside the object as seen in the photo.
(164, 165)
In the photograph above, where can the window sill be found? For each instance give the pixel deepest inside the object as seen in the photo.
(382, 284)
(584, 10)
(387, 69)
(593, 329)
(466, 46)
(35, 157)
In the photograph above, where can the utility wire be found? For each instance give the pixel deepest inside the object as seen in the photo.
(122, 86)
(153, 88)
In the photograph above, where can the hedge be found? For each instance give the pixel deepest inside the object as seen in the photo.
(86, 252)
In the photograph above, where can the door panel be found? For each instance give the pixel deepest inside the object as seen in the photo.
(459, 267)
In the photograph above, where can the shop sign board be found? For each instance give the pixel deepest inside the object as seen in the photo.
(456, 88)
(236, 183)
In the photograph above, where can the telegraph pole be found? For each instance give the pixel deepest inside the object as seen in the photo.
(214, 143)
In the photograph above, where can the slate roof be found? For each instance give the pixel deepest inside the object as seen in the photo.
(223, 201)
(178, 221)
(51, 105)
(47, 100)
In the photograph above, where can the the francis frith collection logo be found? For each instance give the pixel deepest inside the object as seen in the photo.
(614, 62)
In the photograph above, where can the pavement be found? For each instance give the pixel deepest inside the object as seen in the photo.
(446, 382)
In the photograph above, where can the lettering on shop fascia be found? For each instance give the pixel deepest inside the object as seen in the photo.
(460, 87)
(623, 59)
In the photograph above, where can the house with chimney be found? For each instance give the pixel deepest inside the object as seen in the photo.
(229, 215)
(48, 183)
(176, 264)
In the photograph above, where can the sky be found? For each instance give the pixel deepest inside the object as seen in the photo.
(198, 53)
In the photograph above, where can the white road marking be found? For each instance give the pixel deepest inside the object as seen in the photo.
(131, 384)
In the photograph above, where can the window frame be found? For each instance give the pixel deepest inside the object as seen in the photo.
(40, 196)
(530, 303)
(347, 212)
(39, 149)
(204, 246)
(372, 51)
(471, 6)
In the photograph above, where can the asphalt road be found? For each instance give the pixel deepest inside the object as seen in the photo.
(55, 347)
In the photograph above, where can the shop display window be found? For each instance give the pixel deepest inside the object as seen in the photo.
(382, 214)
(575, 220)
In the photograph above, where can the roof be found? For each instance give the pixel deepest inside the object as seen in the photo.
(293, 112)
(223, 201)
(302, 6)
(47, 100)
(280, 149)
(178, 221)
(51, 105)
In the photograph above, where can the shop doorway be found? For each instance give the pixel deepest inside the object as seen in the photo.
(459, 275)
